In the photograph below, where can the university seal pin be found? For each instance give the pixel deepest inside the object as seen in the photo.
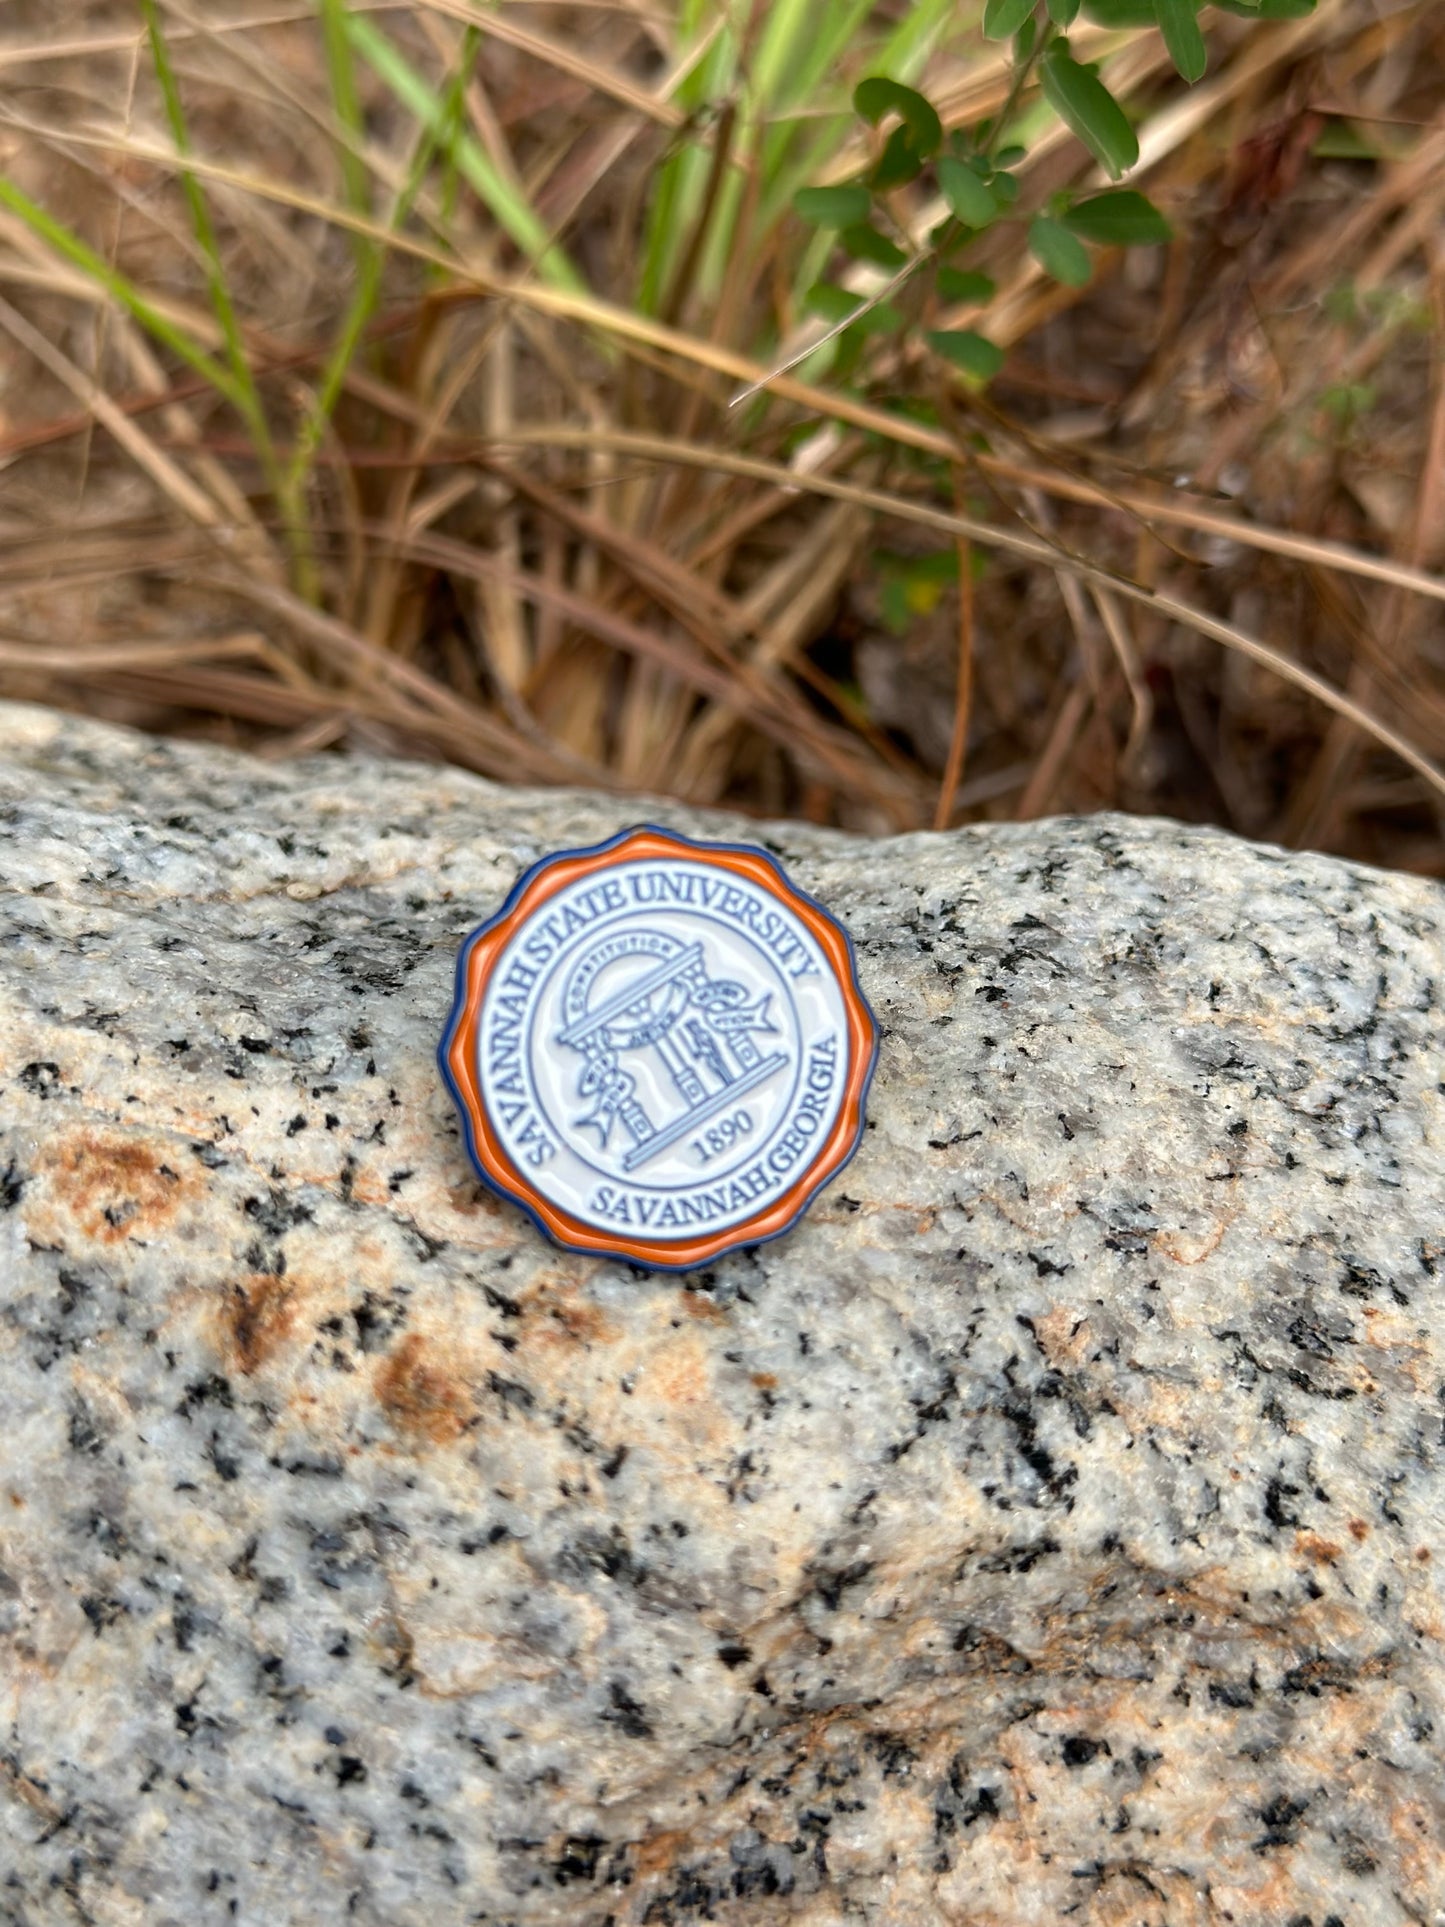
(659, 1048)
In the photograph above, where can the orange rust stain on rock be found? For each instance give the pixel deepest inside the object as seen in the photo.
(1415, 1830)
(697, 1304)
(1064, 1338)
(420, 1397)
(1320, 1552)
(657, 1854)
(679, 1374)
(584, 1324)
(370, 1187)
(111, 1185)
(472, 1200)
(1422, 1555)
(1358, 1531)
(565, 1319)
(1126, 1897)
(765, 1381)
(259, 1317)
(1188, 1248)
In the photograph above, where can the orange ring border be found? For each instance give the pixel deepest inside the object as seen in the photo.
(458, 1056)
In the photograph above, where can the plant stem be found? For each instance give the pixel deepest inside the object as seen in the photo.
(1021, 73)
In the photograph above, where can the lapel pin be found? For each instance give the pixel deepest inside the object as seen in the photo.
(659, 1048)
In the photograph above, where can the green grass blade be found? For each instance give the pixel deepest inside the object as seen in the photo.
(797, 152)
(681, 180)
(369, 268)
(797, 40)
(454, 123)
(123, 291)
(915, 36)
(246, 397)
(800, 52)
(800, 46)
(510, 209)
(346, 105)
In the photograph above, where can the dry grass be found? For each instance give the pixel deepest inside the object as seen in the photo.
(424, 440)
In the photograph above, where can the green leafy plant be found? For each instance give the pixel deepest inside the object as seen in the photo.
(974, 172)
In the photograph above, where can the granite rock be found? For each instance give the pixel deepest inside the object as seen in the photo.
(1048, 1528)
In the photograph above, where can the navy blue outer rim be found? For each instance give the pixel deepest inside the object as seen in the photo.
(459, 1001)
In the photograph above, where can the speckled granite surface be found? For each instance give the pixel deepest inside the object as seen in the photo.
(1049, 1529)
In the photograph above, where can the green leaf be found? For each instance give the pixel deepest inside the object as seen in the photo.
(1120, 13)
(975, 354)
(1269, 9)
(1180, 27)
(1003, 18)
(1084, 103)
(1059, 253)
(1120, 219)
(832, 206)
(913, 585)
(834, 304)
(923, 591)
(848, 352)
(965, 193)
(1062, 12)
(909, 408)
(963, 284)
(899, 163)
(1004, 188)
(893, 600)
(1010, 156)
(865, 243)
(940, 566)
(877, 96)
(1347, 401)
(1342, 140)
